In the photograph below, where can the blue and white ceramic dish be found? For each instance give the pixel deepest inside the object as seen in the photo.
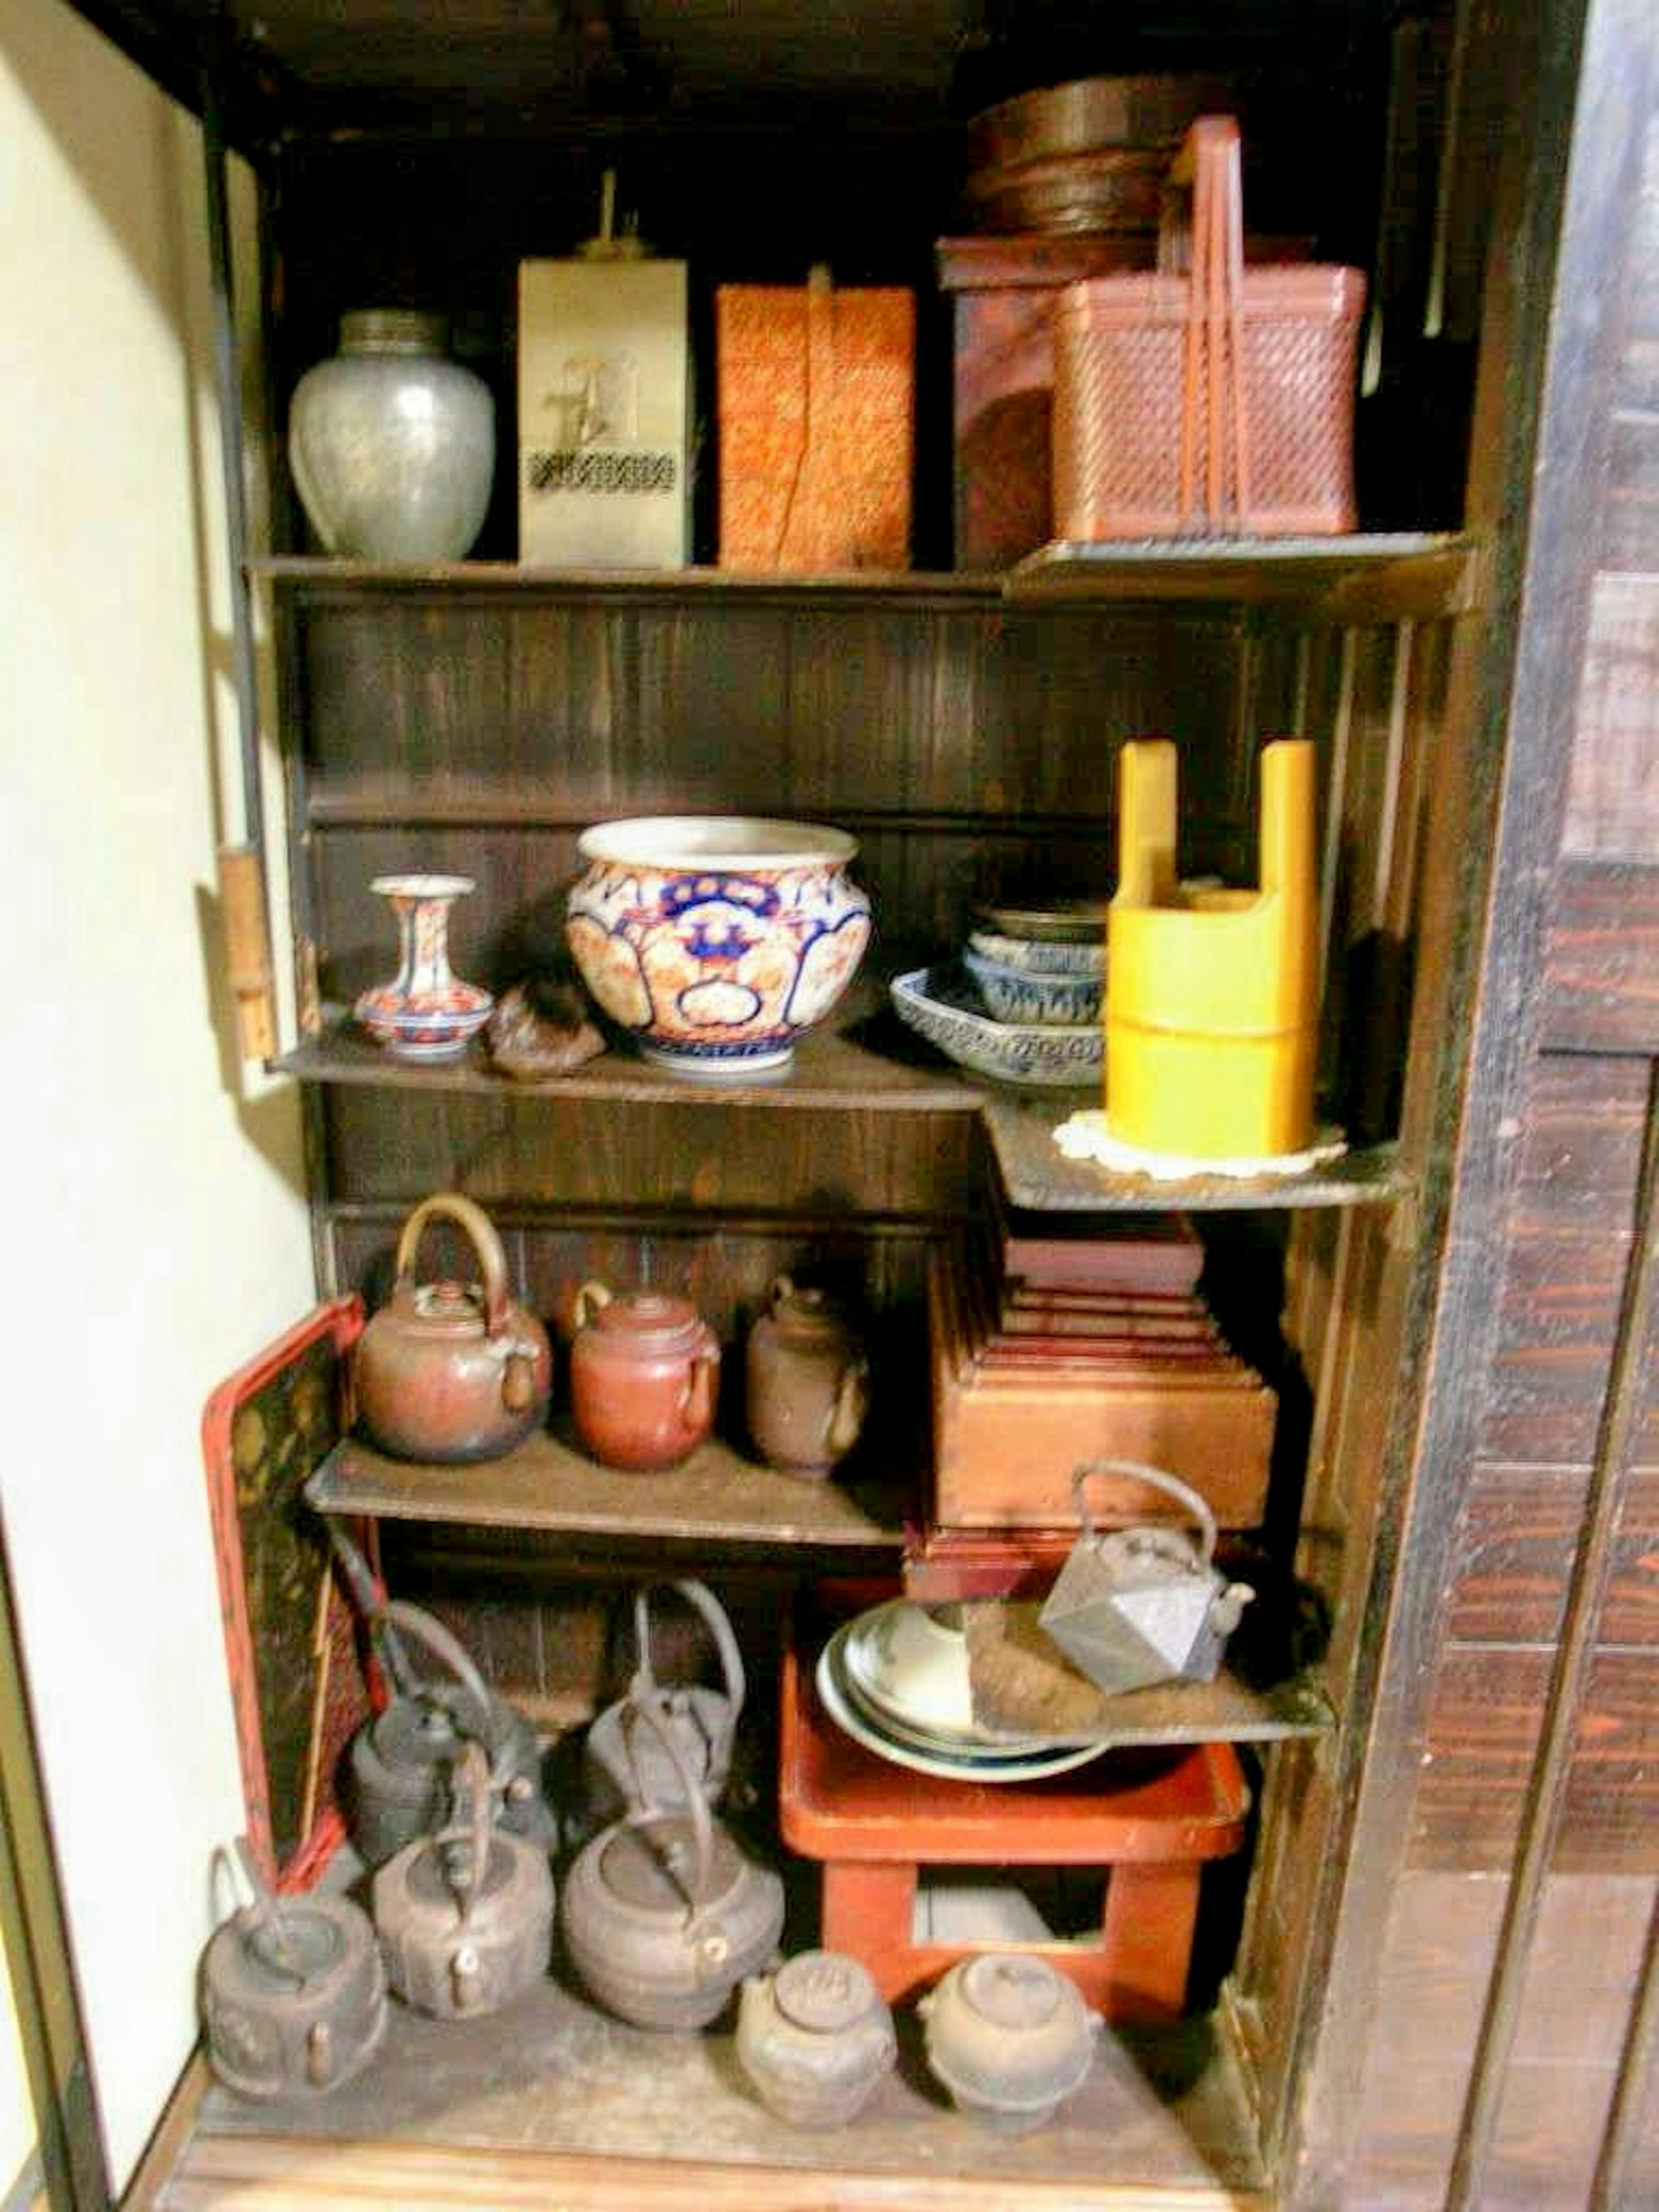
(941, 1004)
(1019, 994)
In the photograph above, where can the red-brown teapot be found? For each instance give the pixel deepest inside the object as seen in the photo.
(450, 1370)
(644, 1376)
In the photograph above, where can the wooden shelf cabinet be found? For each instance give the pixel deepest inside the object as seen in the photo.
(475, 718)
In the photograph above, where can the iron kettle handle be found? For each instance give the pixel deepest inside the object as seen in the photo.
(1160, 1479)
(702, 1821)
(413, 1621)
(708, 1607)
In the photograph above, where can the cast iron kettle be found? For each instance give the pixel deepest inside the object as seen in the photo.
(399, 1763)
(624, 1774)
(663, 1915)
(1143, 1604)
(452, 1371)
(292, 1992)
(465, 1917)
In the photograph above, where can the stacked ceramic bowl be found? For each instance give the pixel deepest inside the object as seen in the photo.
(1022, 1003)
(895, 1679)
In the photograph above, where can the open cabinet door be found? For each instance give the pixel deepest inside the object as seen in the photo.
(296, 1682)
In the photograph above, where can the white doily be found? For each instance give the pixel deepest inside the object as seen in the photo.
(1087, 1135)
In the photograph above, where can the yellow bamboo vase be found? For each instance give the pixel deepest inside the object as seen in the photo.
(1212, 996)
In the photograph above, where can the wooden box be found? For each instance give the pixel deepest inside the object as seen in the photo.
(816, 392)
(1012, 1422)
(1004, 290)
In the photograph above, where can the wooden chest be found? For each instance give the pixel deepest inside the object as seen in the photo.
(1004, 290)
(1011, 1424)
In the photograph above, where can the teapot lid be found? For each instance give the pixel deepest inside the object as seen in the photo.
(651, 1865)
(290, 1947)
(650, 1321)
(417, 1732)
(1011, 1990)
(448, 1302)
(823, 1990)
(807, 1309)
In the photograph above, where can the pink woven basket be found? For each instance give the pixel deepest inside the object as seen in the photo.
(1202, 398)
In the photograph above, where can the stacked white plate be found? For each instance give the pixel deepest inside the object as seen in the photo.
(896, 1678)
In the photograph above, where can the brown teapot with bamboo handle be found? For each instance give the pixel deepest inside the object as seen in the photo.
(448, 1371)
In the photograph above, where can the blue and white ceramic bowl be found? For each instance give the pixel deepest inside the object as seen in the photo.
(1020, 995)
(1041, 956)
(940, 1004)
(717, 939)
(1067, 938)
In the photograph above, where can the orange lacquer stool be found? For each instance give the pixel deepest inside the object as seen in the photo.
(875, 1824)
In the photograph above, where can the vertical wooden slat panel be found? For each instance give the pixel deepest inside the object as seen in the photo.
(1548, 1784)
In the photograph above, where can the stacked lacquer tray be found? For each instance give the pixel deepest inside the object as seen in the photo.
(1050, 1350)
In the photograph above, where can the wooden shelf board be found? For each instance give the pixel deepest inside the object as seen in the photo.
(313, 573)
(546, 1487)
(1376, 577)
(832, 1069)
(1037, 1175)
(436, 799)
(553, 2084)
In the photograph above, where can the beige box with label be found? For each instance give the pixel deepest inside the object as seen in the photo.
(604, 414)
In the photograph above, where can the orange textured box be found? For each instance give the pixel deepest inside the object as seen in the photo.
(817, 425)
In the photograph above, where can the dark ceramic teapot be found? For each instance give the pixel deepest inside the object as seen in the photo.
(807, 1381)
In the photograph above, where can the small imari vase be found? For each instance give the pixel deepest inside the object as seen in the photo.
(424, 1012)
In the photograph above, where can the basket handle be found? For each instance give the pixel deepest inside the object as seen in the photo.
(1209, 167)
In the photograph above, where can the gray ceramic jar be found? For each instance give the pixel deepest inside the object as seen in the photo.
(391, 443)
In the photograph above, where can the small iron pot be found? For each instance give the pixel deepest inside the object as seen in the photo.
(624, 1774)
(663, 1915)
(815, 2039)
(465, 1917)
(398, 1764)
(1009, 2037)
(293, 1993)
(452, 1371)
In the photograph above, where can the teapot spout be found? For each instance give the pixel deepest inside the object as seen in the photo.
(1226, 1609)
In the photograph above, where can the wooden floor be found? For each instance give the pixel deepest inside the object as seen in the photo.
(553, 2105)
